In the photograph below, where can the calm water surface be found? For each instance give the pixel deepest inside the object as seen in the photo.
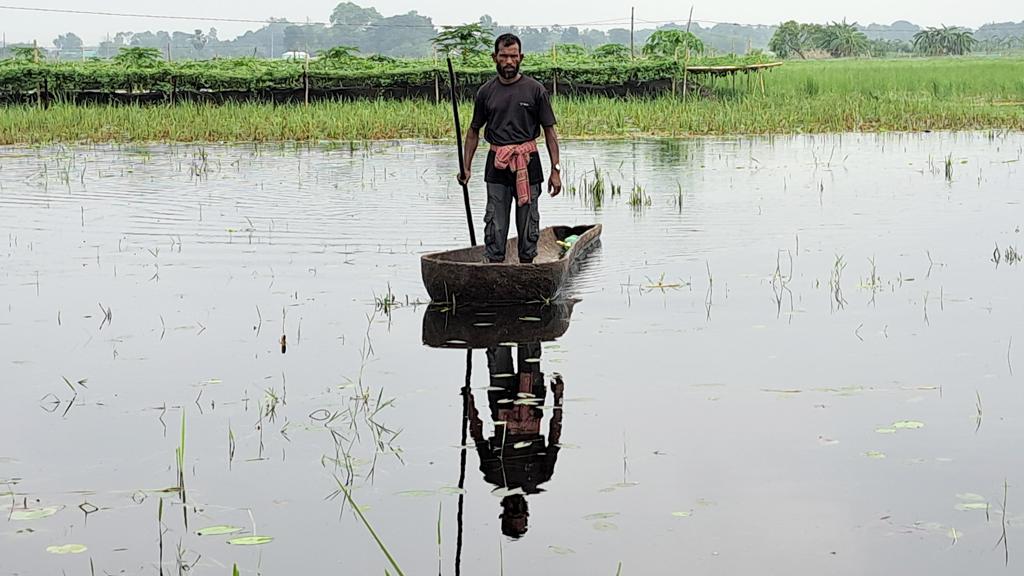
(795, 356)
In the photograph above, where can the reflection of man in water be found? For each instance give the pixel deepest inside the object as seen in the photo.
(517, 457)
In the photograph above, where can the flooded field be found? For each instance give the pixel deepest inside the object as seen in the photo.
(798, 355)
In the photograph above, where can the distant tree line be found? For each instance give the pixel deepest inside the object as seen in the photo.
(839, 39)
(368, 32)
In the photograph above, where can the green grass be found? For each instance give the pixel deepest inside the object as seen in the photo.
(801, 97)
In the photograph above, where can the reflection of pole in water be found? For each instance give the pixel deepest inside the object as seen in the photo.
(462, 464)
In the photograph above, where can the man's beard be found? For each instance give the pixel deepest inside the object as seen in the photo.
(508, 72)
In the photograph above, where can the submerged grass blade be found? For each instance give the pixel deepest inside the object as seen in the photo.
(383, 548)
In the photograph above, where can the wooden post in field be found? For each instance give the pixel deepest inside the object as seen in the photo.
(305, 79)
(437, 82)
(760, 77)
(35, 60)
(632, 20)
(686, 62)
(554, 70)
(675, 60)
(686, 74)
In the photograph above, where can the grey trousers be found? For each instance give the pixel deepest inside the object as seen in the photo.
(496, 222)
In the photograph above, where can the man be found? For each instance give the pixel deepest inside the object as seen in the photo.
(514, 108)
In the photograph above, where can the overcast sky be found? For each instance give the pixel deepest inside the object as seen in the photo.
(26, 26)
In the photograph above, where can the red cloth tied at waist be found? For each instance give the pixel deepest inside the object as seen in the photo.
(516, 157)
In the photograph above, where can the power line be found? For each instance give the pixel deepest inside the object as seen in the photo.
(608, 22)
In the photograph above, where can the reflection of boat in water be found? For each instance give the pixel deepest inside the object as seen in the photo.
(485, 326)
(462, 276)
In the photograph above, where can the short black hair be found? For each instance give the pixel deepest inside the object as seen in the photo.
(507, 40)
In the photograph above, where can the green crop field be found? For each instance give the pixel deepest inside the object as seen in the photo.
(799, 97)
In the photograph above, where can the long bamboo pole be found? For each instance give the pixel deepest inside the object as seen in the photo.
(458, 143)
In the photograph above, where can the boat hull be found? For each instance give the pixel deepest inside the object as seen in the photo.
(462, 276)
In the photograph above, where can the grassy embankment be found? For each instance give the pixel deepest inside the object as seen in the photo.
(801, 97)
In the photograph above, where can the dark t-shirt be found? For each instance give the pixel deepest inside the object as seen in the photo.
(513, 114)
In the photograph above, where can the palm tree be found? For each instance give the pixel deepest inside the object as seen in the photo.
(945, 41)
(843, 40)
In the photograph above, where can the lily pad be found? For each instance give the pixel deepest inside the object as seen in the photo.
(218, 530)
(451, 490)
(560, 550)
(885, 430)
(67, 549)
(970, 497)
(529, 319)
(907, 425)
(501, 492)
(600, 515)
(483, 324)
(875, 454)
(251, 540)
(683, 514)
(604, 526)
(35, 513)
(968, 506)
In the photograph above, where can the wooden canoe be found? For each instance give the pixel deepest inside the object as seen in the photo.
(462, 276)
(485, 326)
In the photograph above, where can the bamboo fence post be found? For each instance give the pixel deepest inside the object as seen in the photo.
(686, 62)
(305, 80)
(686, 73)
(554, 69)
(437, 81)
(632, 20)
(675, 60)
(760, 77)
(35, 60)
